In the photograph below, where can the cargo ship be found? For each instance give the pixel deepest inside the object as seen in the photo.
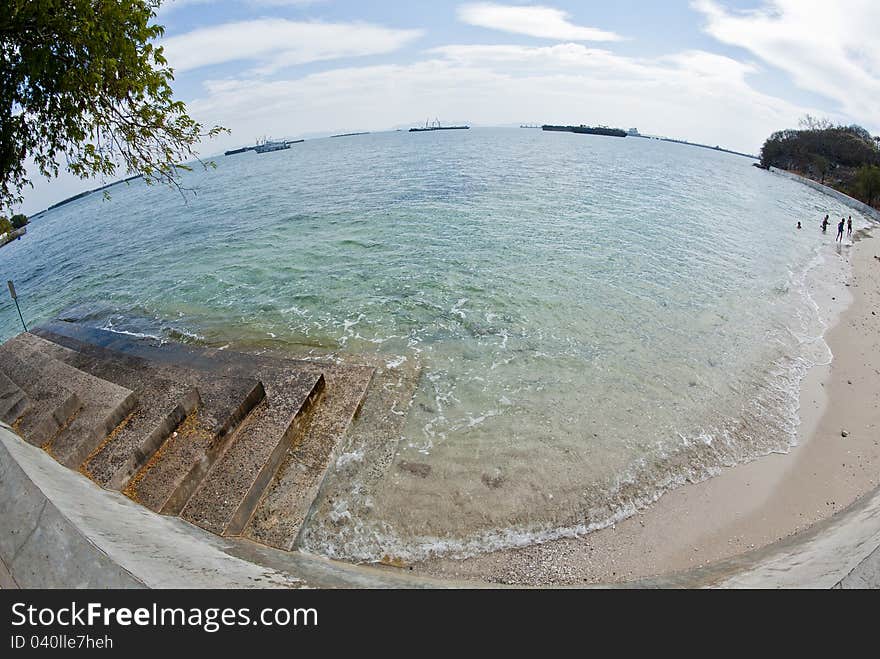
(232, 152)
(428, 127)
(588, 130)
(350, 134)
(264, 145)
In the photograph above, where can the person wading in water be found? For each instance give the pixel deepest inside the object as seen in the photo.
(840, 230)
(824, 224)
(849, 227)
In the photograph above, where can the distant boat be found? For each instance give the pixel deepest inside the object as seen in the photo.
(349, 134)
(588, 130)
(267, 146)
(232, 152)
(428, 127)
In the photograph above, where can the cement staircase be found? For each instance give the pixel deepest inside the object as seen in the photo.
(216, 437)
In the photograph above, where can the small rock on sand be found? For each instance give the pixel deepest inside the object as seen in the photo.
(419, 469)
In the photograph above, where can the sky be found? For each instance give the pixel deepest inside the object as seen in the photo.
(725, 72)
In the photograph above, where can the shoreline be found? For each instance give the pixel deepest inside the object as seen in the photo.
(747, 506)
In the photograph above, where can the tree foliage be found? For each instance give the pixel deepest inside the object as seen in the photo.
(84, 87)
(19, 220)
(868, 183)
(822, 150)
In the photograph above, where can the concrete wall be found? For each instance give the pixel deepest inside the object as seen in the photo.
(855, 204)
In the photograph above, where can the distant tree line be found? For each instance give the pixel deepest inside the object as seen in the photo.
(844, 157)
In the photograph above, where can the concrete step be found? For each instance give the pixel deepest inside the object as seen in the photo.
(174, 472)
(13, 401)
(371, 442)
(51, 404)
(163, 405)
(102, 405)
(231, 482)
(116, 461)
(218, 375)
(231, 489)
(284, 506)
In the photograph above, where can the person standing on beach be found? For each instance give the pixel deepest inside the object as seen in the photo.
(849, 227)
(825, 224)
(840, 229)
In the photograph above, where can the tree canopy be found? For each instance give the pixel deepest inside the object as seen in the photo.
(84, 87)
(847, 156)
(868, 183)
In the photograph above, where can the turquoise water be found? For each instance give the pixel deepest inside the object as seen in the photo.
(596, 319)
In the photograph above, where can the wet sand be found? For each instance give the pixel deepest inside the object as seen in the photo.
(751, 505)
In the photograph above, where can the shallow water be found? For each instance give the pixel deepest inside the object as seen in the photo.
(595, 319)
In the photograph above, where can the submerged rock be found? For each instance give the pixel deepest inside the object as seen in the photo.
(419, 469)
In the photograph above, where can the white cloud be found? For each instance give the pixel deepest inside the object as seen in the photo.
(276, 43)
(534, 21)
(169, 6)
(695, 95)
(831, 48)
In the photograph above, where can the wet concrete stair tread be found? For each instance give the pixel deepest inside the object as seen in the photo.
(284, 506)
(373, 437)
(182, 358)
(213, 384)
(231, 489)
(103, 404)
(168, 480)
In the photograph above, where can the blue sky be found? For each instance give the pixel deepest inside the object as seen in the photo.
(724, 72)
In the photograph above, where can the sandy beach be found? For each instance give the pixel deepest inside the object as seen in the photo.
(836, 461)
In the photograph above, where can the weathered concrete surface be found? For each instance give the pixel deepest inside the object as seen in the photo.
(39, 546)
(49, 402)
(232, 488)
(13, 401)
(166, 486)
(26, 361)
(162, 405)
(174, 472)
(60, 530)
(288, 498)
(842, 552)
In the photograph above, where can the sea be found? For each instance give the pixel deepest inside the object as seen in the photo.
(587, 321)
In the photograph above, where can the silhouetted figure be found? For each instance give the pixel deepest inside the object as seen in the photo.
(840, 229)
(849, 227)
(799, 225)
(825, 224)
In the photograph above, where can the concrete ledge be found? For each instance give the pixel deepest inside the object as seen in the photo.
(840, 552)
(39, 546)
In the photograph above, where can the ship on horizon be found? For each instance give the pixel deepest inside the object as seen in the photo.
(587, 130)
(436, 125)
(264, 145)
